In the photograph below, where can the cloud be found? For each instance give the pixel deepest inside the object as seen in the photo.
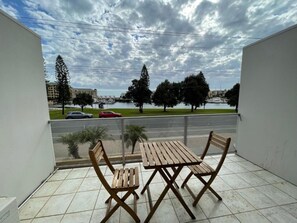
(106, 43)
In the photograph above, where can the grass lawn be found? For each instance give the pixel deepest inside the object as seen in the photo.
(57, 114)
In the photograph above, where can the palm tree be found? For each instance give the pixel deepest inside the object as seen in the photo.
(134, 134)
(92, 135)
(72, 140)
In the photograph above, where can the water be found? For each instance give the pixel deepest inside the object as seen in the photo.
(181, 105)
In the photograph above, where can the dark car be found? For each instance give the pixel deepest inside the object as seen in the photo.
(77, 115)
(109, 114)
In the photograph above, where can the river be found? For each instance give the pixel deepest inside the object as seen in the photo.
(181, 105)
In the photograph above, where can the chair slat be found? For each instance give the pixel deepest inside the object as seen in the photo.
(217, 145)
(136, 175)
(204, 169)
(123, 180)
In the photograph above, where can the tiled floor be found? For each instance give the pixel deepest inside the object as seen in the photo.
(250, 194)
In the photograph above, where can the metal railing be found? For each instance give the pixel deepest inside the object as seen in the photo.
(191, 129)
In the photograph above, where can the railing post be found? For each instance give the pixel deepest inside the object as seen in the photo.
(185, 129)
(123, 143)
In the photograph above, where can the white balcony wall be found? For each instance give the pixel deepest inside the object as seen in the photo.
(26, 149)
(267, 134)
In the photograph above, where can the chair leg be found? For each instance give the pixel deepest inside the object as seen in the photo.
(206, 186)
(210, 188)
(186, 180)
(120, 203)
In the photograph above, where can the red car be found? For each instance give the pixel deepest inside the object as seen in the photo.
(109, 114)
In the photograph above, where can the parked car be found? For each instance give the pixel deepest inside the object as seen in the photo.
(109, 114)
(77, 115)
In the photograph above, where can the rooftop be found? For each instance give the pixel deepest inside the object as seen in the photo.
(250, 194)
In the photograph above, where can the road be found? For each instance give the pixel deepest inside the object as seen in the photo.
(164, 126)
(157, 128)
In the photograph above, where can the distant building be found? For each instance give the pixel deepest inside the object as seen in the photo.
(92, 92)
(53, 93)
(216, 93)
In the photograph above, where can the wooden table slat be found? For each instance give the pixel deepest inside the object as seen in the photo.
(178, 152)
(167, 154)
(147, 149)
(171, 155)
(187, 152)
(143, 154)
(164, 153)
(157, 158)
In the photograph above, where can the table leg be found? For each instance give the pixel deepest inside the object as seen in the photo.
(177, 194)
(149, 181)
(169, 181)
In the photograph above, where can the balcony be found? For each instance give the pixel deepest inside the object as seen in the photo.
(193, 130)
(250, 194)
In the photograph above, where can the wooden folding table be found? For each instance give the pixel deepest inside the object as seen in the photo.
(162, 155)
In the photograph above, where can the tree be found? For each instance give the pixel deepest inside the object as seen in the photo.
(194, 90)
(92, 135)
(62, 76)
(134, 134)
(232, 96)
(83, 99)
(139, 91)
(72, 140)
(165, 95)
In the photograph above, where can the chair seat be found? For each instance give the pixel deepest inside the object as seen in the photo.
(203, 169)
(125, 179)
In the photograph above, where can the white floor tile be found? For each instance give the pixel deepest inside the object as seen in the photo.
(219, 185)
(235, 202)
(60, 175)
(224, 170)
(229, 219)
(276, 194)
(288, 188)
(142, 212)
(80, 217)
(236, 158)
(90, 183)
(56, 205)
(99, 214)
(269, 177)
(156, 189)
(157, 178)
(251, 216)
(78, 173)
(69, 186)
(291, 208)
(32, 207)
(165, 213)
(48, 189)
(256, 198)
(181, 212)
(102, 197)
(83, 201)
(235, 182)
(252, 179)
(249, 166)
(279, 215)
(213, 207)
(51, 219)
(235, 167)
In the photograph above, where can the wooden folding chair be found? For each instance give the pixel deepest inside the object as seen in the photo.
(125, 179)
(204, 169)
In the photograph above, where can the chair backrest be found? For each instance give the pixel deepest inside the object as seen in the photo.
(96, 154)
(220, 142)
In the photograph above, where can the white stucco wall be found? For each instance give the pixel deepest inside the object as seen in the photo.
(267, 134)
(26, 150)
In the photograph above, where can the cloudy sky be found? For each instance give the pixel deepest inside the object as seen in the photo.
(105, 43)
